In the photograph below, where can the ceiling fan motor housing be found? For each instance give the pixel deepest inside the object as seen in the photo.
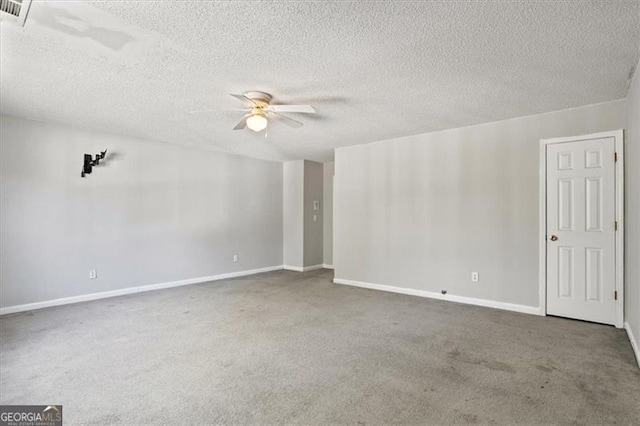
(260, 98)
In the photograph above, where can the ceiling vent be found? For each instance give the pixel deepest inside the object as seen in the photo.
(14, 11)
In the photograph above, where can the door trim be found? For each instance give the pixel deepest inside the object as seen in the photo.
(618, 136)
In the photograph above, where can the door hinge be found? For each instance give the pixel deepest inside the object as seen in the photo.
(615, 156)
(615, 225)
(615, 295)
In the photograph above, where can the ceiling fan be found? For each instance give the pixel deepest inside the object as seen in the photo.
(259, 110)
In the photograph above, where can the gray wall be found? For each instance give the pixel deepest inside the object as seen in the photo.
(327, 235)
(313, 178)
(151, 213)
(293, 213)
(422, 212)
(632, 210)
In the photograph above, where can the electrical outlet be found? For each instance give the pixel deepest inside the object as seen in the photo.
(235, 258)
(475, 277)
(93, 274)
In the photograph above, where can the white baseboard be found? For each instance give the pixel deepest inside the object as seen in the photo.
(302, 268)
(326, 266)
(634, 342)
(293, 268)
(313, 267)
(130, 290)
(448, 297)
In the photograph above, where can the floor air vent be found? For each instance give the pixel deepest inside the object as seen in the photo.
(14, 10)
(11, 7)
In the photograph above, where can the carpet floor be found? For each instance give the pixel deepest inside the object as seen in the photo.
(289, 347)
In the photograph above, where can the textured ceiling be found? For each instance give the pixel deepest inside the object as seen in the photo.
(373, 70)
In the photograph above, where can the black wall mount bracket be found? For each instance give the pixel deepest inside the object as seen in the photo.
(89, 162)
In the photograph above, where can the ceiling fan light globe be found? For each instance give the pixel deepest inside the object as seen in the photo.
(257, 122)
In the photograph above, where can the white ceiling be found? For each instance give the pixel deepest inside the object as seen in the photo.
(373, 70)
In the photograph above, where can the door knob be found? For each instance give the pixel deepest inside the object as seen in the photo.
(553, 238)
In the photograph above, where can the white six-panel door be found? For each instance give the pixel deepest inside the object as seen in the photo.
(580, 223)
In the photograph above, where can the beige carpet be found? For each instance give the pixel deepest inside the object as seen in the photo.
(288, 347)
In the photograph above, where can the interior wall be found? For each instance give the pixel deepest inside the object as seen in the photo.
(313, 228)
(423, 212)
(293, 213)
(150, 213)
(327, 236)
(632, 214)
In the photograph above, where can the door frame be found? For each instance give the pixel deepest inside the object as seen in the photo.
(618, 136)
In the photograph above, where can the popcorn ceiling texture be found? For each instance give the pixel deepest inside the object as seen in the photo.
(373, 70)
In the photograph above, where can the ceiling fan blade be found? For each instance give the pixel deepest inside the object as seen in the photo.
(287, 120)
(243, 98)
(305, 109)
(242, 123)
